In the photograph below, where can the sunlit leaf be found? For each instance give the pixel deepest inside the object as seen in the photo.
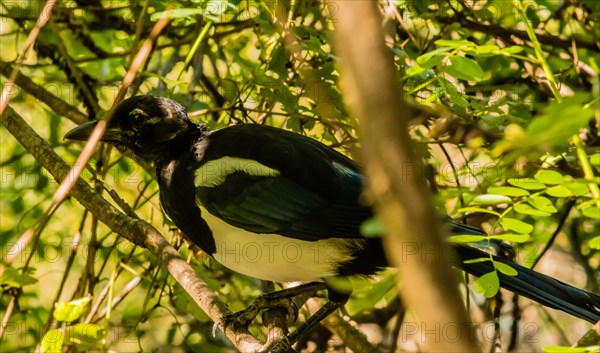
(52, 342)
(549, 177)
(542, 203)
(528, 210)
(490, 199)
(433, 61)
(578, 189)
(454, 43)
(487, 50)
(70, 311)
(90, 334)
(488, 284)
(427, 56)
(516, 238)
(467, 238)
(508, 191)
(515, 49)
(474, 261)
(516, 225)
(526, 183)
(504, 268)
(415, 70)
(465, 69)
(559, 191)
(595, 242)
(477, 210)
(592, 212)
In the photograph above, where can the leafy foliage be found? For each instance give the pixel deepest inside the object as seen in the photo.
(508, 95)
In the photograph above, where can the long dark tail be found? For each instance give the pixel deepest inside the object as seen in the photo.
(534, 285)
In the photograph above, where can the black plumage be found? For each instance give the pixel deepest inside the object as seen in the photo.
(285, 191)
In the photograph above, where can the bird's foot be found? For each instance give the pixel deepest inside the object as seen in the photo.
(284, 345)
(281, 346)
(278, 299)
(243, 318)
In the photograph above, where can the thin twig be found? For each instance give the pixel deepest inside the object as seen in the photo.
(561, 223)
(41, 22)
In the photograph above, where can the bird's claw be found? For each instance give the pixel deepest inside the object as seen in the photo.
(281, 346)
(240, 319)
(243, 318)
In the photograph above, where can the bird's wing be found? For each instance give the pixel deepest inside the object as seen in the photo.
(267, 180)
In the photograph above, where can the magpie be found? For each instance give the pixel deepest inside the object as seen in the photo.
(287, 207)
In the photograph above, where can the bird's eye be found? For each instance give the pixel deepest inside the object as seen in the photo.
(137, 114)
(137, 117)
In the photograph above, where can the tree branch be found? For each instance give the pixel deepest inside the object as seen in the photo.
(498, 31)
(396, 179)
(58, 105)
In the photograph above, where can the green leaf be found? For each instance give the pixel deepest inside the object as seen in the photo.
(454, 43)
(372, 228)
(526, 183)
(550, 177)
(488, 284)
(515, 49)
(516, 225)
(578, 189)
(595, 242)
(70, 311)
(595, 159)
(52, 342)
(490, 200)
(594, 180)
(467, 238)
(477, 210)
(427, 56)
(465, 69)
(278, 61)
(90, 334)
(592, 212)
(559, 191)
(560, 121)
(504, 268)
(508, 191)
(461, 101)
(528, 210)
(14, 278)
(452, 92)
(433, 61)
(415, 70)
(586, 204)
(515, 238)
(474, 261)
(487, 50)
(542, 203)
(366, 295)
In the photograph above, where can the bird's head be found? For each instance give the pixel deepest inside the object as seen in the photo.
(147, 126)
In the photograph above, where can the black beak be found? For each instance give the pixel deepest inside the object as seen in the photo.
(83, 132)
